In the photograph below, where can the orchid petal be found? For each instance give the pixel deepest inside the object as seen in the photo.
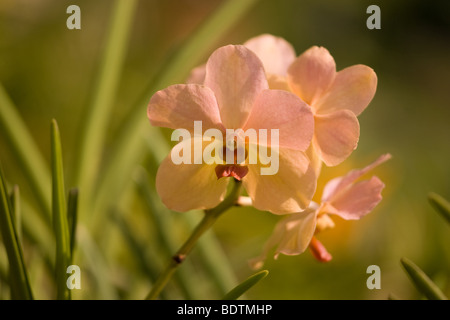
(289, 190)
(236, 76)
(197, 75)
(178, 106)
(285, 112)
(291, 236)
(336, 135)
(278, 82)
(311, 74)
(296, 231)
(275, 53)
(353, 89)
(340, 184)
(357, 201)
(184, 187)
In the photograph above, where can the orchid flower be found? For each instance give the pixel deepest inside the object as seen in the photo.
(342, 196)
(234, 95)
(336, 98)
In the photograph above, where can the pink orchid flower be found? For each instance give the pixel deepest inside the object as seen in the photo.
(235, 95)
(336, 98)
(342, 196)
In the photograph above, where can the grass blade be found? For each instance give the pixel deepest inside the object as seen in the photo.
(94, 130)
(72, 216)
(16, 211)
(160, 216)
(26, 152)
(441, 205)
(20, 286)
(60, 223)
(240, 289)
(422, 282)
(147, 261)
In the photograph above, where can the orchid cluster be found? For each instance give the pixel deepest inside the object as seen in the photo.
(264, 85)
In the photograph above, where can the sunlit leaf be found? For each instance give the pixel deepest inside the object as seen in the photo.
(19, 283)
(103, 96)
(422, 282)
(243, 287)
(72, 216)
(441, 205)
(26, 152)
(59, 208)
(16, 211)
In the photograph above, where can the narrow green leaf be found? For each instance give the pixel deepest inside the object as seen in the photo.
(240, 289)
(20, 286)
(72, 216)
(130, 142)
(160, 218)
(422, 282)
(392, 296)
(440, 204)
(16, 211)
(147, 260)
(100, 109)
(26, 152)
(60, 223)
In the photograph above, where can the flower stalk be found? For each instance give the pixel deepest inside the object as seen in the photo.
(207, 222)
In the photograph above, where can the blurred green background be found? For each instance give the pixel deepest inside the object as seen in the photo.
(49, 72)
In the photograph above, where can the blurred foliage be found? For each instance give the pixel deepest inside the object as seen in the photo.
(49, 71)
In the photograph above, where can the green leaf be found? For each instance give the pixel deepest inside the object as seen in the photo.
(103, 96)
(392, 296)
(161, 219)
(440, 204)
(146, 258)
(60, 223)
(72, 216)
(422, 282)
(240, 289)
(16, 211)
(26, 152)
(20, 286)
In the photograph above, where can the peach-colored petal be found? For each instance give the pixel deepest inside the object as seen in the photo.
(275, 53)
(323, 222)
(334, 187)
(336, 135)
(278, 82)
(178, 106)
(314, 158)
(291, 236)
(352, 89)
(285, 112)
(357, 200)
(236, 76)
(296, 232)
(189, 186)
(311, 74)
(289, 190)
(197, 75)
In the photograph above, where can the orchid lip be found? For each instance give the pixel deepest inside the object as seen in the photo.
(231, 170)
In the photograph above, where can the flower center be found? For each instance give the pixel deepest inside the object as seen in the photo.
(233, 156)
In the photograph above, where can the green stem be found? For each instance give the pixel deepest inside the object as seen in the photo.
(207, 222)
